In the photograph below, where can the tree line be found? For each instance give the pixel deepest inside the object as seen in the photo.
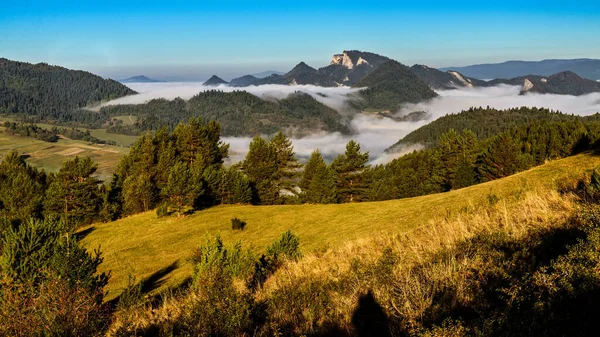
(51, 135)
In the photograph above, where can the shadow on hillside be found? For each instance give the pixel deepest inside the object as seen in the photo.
(157, 279)
(84, 233)
(368, 320)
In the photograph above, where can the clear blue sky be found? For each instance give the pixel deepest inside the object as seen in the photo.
(197, 38)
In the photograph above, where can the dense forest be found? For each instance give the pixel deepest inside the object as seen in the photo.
(390, 85)
(240, 113)
(52, 93)
(484, 123)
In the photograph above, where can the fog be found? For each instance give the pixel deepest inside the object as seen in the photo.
(375, 134)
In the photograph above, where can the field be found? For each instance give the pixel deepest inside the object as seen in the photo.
(50, 156)
(147, 247)
(121, 140)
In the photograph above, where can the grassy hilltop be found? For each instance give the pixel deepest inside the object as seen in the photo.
(158, 248)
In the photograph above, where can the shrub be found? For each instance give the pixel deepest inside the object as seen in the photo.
(237, 224)
(162, 210)
(214, 254)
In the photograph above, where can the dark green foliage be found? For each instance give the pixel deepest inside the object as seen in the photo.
(350, 172)
(484, 123)
(501, 159)
(318, 181)
(234, 187)
(22, 188)
(183, 188)
(237, 224)
(73, 193)
(288, 246)
(215, 255)
(260, 166)
(239, 112)
(162, 210)
(53, 93)
(390, 85)
(30, 130)
(287, 164)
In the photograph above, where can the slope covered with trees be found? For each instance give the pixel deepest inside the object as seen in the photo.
(50, 92)
(391, 85)
(240, 113)
(484, 123)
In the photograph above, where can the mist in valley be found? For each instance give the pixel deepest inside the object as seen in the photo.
(374, 133)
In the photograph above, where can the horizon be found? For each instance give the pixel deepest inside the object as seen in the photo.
(185, 39)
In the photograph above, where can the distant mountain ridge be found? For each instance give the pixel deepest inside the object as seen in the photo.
(586, 68)
(140, 79)
(214, 81)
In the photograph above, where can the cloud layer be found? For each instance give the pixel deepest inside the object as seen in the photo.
(375, 134)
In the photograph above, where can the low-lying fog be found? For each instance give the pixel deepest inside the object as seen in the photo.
(375, 134)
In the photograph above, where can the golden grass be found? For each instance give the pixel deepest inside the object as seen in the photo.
(143, 244)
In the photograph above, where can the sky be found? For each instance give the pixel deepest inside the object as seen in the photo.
(194, 39)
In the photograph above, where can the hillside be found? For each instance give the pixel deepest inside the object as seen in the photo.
(564, 83)
(243, 81)
(586, 68)
(484, 122)
(140, 79)
(52, 92)
(440, 80)
(146, 246)
(240, 114)
(390, 85)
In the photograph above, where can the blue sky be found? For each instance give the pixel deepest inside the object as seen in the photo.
(198, 38)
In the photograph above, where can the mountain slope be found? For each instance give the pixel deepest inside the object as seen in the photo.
(565, 83)
(391, 85)
(440, 80)
(586, 68)
(147, 244)
(52, 92)
(214, 81)
(140, 79)
(243, 81)
(484, 123)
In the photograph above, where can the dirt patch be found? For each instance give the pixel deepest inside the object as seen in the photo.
(70, 151)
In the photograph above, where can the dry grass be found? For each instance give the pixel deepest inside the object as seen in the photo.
(143, 245)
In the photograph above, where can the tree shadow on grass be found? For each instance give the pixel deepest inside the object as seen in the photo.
(157, 279)
(84, 233)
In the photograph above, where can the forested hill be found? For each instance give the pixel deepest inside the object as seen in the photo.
(390, 85)
(484, 122)
(50, 92)
(239, 112)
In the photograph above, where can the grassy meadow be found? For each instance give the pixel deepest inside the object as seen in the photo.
(148, 247)
(50, 156)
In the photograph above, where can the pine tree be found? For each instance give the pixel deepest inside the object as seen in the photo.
(287, 164)
(260, 166)
(350, 169)
(314, 163)
(73, 193)
(182, 189)
(234, 187)
(501, 159)
(322, 188)
(139, 193)
(22, 188)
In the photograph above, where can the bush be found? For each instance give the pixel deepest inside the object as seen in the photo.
(237, 224)
(214, 254)
(162, 210)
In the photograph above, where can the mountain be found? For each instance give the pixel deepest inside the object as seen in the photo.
(214, 81)
(564, 83)
(349, 67)
(267, 73)
(586, 68)
(52, 92)
(243, 81)
(484, 122)
(140, 79)
(440, 80)
(240, 114)
(391, 85)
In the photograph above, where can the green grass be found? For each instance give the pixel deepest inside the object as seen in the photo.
(121, 140)
(143, 244)
(50, 156)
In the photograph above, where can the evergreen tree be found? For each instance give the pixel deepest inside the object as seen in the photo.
(22, 188)
(235, 188)
(350, 169)
(182, 189)
(456, 149)
(501, 159)
(260, 166)
(287, 164)
(314, 163)
(139, 193)
(73, 193)
(322, 189)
